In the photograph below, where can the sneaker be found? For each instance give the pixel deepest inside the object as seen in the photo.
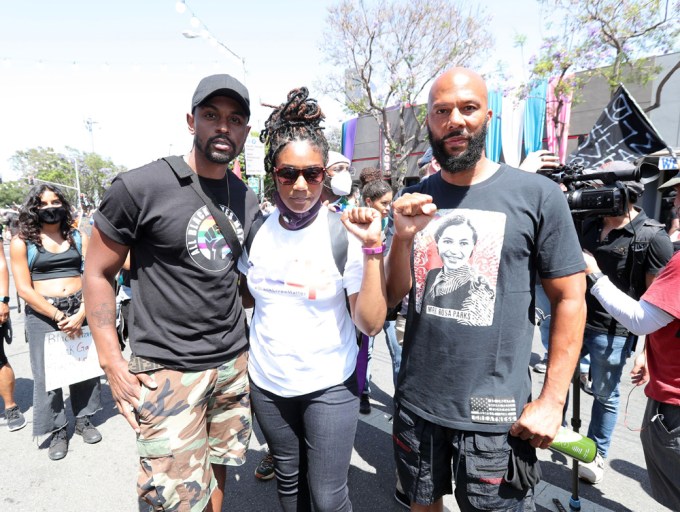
(365, 404)
(592, 472)
(58, 445)
(86, 429)
(542, 365)
(586, 384)
(401, 498)
(265, 469)
(15, 420)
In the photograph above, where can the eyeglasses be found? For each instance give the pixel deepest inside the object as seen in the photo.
(289, 175)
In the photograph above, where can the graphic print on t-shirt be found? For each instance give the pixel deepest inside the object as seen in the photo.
(299, 277)
(205, 243)
(456, 259)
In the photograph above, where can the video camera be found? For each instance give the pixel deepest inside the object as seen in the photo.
(609, 200)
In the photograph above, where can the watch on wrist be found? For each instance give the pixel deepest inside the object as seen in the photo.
(4, 299)
(593, 277)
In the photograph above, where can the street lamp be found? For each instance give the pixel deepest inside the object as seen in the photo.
(190, 34)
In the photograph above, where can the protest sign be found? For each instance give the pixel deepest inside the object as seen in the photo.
(70, 360)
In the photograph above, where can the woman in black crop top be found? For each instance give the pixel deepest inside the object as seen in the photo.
(46, 258)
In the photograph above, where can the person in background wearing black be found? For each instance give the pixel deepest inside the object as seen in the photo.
(631, 249)
(15, 419)
(47, 258)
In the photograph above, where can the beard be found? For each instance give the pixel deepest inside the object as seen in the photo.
(467, 159)
(213, 155)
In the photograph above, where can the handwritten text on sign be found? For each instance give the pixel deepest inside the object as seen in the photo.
(68, 361)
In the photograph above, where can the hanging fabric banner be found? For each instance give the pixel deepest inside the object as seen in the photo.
(512, 129)
(534, 117)
(349, 132)
(493, 136)
(557, 116)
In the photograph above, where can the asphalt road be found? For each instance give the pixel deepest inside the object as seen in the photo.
(102, 477)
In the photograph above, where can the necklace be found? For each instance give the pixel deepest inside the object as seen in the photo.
(226, 175)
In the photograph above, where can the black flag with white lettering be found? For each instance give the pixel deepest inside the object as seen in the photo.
(622, 132)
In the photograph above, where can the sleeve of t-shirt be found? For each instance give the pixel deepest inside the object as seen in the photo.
(659, 253)
(557, 246)
(117, 216)
(354, 268)
(663, 292)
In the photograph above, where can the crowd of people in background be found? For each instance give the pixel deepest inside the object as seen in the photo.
(450, 269)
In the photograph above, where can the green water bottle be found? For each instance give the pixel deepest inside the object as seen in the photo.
(575, 445)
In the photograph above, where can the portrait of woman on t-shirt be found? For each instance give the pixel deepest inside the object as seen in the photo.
(456, 290)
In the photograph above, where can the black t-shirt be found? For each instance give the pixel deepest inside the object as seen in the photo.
(186, 310)
(470, 325)
(611, 255)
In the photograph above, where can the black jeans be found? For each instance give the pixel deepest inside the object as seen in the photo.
(49, 414)
(311, 438)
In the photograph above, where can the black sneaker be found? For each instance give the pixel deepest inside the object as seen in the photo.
(401, 498)
(365, 404)
(15, 420)
(265, 469)
(86, 429)
(58, 445)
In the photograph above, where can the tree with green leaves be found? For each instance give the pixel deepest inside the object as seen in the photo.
(95, 172)
(12, 194)
(387, 52)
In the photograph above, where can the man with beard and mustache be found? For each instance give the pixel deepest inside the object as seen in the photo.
(464, 409)
(185, 390)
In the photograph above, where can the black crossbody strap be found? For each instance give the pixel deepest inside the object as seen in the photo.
(184, 174)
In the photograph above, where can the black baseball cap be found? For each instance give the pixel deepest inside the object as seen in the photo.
(221, 85)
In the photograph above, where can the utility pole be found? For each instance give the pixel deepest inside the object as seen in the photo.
(89, 126)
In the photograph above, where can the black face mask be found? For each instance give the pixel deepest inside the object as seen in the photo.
(52, 215)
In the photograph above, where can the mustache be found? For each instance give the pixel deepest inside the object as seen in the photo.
(455, 133)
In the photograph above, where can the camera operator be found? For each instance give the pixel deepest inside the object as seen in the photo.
(630, 249)
(658, 315)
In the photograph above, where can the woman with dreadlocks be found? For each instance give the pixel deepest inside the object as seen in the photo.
(303, 348)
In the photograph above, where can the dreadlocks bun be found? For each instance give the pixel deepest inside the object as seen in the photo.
(299, 118)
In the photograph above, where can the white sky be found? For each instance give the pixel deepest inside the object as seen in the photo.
(139, 103)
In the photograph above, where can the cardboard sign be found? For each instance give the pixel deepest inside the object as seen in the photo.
(68, 361)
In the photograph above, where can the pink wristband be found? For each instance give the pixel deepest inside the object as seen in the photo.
(373, 250)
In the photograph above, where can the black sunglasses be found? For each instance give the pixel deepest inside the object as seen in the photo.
(289, 175)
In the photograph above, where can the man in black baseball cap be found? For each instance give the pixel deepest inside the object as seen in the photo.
(185, 390)
(221, 85)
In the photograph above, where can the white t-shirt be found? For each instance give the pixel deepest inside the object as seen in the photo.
(301, 334)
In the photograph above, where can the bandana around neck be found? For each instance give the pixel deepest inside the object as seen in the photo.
(294, 220)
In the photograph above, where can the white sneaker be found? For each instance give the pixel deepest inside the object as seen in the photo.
(592, 472)
(586, 384)
(542, 365)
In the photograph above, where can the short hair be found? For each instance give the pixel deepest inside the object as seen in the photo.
(456, 220)
(299, 118)
(369, 174)
(374, 190)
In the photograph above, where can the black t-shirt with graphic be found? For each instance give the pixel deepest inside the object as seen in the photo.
(470, 325)
(186, 310)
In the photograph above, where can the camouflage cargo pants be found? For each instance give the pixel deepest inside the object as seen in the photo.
(190, 421)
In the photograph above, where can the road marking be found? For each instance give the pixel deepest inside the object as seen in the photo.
(545, 492)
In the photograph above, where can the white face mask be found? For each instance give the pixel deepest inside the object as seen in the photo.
(341, 183)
